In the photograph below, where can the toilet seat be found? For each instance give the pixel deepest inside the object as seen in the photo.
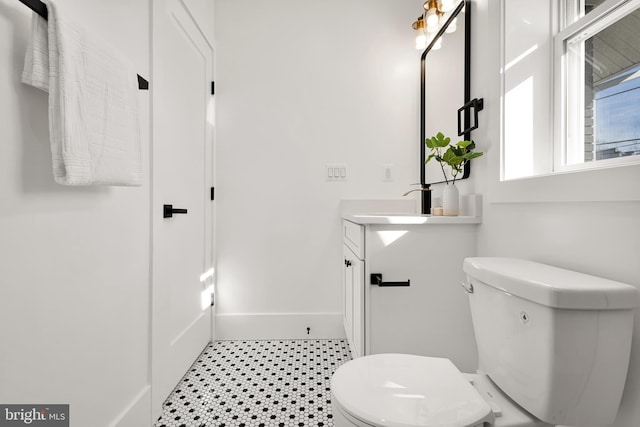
(401, 390)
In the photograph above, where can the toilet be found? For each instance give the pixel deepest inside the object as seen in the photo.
(553, 349)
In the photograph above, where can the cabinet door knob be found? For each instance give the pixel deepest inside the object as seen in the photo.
(347, 263)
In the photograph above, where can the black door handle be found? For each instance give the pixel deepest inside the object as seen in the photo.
(168, 211)
(376, 279)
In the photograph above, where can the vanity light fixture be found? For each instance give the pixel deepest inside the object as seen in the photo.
(446, 5)
(432, 16)
(431, 21)
(421, 37)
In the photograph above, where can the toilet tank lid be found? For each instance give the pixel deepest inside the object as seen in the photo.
(551, 286)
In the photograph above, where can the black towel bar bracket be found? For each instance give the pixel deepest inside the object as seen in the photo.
(477, 105)
(41, 9)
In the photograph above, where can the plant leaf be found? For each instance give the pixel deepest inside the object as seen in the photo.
(457, 151)
(439, 141)
(451, 157)
(470, 156)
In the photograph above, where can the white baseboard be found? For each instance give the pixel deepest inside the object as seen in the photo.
(138, 412)
(261, 326)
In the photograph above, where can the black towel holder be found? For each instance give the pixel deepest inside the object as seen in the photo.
(41, 9)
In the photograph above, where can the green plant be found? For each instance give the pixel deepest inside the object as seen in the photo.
(455, 156)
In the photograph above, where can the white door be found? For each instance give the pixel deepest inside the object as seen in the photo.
(182, 177)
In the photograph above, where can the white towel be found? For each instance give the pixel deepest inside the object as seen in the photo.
(93, 111)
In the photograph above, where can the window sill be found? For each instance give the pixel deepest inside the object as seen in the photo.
(616, 184)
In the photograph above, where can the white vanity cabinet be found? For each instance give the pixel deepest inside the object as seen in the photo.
(419, 307)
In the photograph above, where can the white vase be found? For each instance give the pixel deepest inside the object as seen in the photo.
(450, 200)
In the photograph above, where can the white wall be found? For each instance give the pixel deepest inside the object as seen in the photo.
(74, 266)
(302, 83)
(583, 234)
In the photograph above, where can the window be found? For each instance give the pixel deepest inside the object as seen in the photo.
(570, 82)
(598, 73)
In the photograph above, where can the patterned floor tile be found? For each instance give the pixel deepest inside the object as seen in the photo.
(275, 383)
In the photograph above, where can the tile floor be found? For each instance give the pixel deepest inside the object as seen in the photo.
(276, 383)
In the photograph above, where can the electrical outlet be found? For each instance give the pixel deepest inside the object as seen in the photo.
(387, 173)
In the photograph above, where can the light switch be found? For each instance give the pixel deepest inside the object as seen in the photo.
(335, 171)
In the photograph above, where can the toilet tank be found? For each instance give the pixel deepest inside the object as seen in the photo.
(556, 341)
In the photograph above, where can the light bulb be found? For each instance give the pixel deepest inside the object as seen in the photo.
(421, 42)
(431, 18)
(438, 44)
(446, 5)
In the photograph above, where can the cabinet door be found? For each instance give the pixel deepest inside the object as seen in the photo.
(431, 317)
(357, 271)
(347, 294)
(353, 301)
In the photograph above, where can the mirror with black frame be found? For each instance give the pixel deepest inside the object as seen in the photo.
(445, 88)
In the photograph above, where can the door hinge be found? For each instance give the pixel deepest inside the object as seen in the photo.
(213, 193)
(213, 88)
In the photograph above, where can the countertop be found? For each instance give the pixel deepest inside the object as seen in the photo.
(408, 219)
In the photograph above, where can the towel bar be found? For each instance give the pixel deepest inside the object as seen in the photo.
(376, 279)
(41, 9)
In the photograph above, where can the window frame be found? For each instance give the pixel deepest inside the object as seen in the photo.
(569, 97)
